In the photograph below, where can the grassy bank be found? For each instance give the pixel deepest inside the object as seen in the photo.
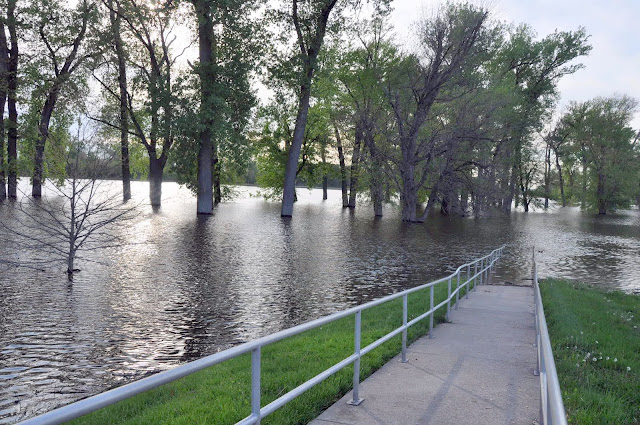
(596, 344)
(221, 394)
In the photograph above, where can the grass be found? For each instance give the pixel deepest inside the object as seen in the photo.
(221, 394)
(595, 337)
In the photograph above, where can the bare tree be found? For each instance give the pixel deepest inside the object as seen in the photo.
(73, 215)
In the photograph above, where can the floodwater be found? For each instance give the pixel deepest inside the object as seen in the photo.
(185, 286)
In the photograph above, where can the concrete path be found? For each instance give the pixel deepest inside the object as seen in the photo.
(478, 370)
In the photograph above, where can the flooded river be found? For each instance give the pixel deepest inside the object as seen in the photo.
(184, 286)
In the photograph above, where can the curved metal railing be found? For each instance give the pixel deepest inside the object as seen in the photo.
(551, 405)
(476, 273)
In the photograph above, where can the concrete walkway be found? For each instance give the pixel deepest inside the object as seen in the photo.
(478, 370)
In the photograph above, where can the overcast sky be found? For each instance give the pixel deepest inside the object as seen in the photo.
(614, 26)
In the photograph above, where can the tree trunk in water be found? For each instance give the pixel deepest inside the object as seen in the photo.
(205, 176)
(547, 176)
(464, 201)
(355, 167)
(512, 189)
(561, 178)
(376, 180)
(12, 89)
(3, 186)
(343, 168)
(324, 187)
(156, 168)
(408, 196)
(217, 188)
(433, 196)
(602, 201)
(122, 85)
(71, 256)
(583, 200)
(288, 193)
(323, 155)
(43, 129)
(4, 79)
(205, 152)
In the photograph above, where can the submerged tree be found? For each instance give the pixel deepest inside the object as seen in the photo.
(607, 147)
(75, 214)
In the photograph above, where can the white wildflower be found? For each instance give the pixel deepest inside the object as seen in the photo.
(615, 360)
(607, 357)
(628, 368)
(595, 359)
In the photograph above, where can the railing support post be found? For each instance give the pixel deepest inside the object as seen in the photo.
(356, 400)
(255, 384)
(449, 300)
(431, 315)
(405, 313)
(457, 289)
(475, 276)
(466, 294)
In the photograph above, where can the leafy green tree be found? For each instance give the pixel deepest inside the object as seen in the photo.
(608, 146)
(228, 51)
(64, 42)
(534, 67)
(412, 89)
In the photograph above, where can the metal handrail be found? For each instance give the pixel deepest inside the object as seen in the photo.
(481, 268)
(551, 406)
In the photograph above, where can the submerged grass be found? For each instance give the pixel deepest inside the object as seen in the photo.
(595, 337)
(221, 394)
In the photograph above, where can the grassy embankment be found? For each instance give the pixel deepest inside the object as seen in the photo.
(221, 394)
(595, 337)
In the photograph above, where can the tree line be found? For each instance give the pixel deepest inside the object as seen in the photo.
(463, 118)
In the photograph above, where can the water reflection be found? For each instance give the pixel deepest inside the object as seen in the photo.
(187, 286)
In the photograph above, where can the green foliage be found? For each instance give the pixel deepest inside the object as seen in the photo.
(600, 136)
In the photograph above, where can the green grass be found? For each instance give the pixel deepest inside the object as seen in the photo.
(595, 337)
(221, 394)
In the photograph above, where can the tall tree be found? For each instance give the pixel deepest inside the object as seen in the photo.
(150, 97)
(535, 68)
(448, 40)
(63, 35)
(608, 146)
(227, 36)
(115, 19)
(4, 86)
(10, 45)
(310, 20)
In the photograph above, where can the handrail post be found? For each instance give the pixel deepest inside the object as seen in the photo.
(404, 324)
(431, 315)
(457, 290)
(449, 299)
(356, 400)
(486, 273)
(481, 271)
(255, 384)
(475, 276)
(466, 294)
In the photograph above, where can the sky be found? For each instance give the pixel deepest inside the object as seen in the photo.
(613, 66)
